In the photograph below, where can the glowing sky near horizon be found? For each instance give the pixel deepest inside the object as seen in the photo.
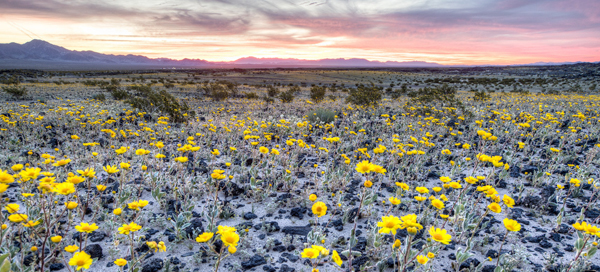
(443, 31)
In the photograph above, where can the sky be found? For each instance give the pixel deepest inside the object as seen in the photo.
(471, 32)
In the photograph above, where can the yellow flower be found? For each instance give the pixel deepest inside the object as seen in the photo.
(471, 180)
(508, 201)
(397, 244)
(224, 229)
(74, 137)
(100, 187)
(319, 208)
(389, 224)
(310, 253)
(420, 198)
(30, 173)
(117, 211)
(120, 262)
(71, 205)
(403, 186)
(17, 167)
(204, 237)
(56, 239)
(263, 150)
(455, 185)
(494, 207)
(62, 162)
(31, 224)
(85, 227)
(368, 183)
(17, 217)
(141, 152)
(12, 208)
(75, 179)
(422, 190)
(410, 221)
(65, 188)
(71, 248)
(437, 204)
(230, 238)
(511, 225)
(394, 201)
(312, 197)
(181, 159)
(6, 177)
(88, 172)
(274, 151)
(323, 251)
(81, 260)
(440, 235)
(364, 167)
(430, 255)
(422, 259)
(336, 258)
(231, 249)
(445, 179)
(131, 227)
(111, 170)
(125, 165)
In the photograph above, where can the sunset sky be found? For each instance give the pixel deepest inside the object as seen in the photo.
(443, 31)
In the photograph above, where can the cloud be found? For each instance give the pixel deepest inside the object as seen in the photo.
(372, 27)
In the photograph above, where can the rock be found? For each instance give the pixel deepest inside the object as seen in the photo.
(250, 216)
(254, 261)
(468, 263)
(488, 268)
(269, 268)
(358, 262)
(286, 268)
(491, 254)
(196, 225)
(338, 224)
(56, 266)
(545, 244)
(298, 212)
(269, 226)
(153, 265)
(96, 236)
(292, 230)
(95, 250)
(231, 189)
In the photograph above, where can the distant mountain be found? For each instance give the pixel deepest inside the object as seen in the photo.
(333, 62)
(37, 53)
(42, 51)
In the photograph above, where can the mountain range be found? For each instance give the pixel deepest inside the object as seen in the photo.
(39, 54)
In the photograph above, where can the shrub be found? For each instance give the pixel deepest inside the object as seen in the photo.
(149, 100)
(16, 92)
(295, 90)
(365, 95)
(251, 95)
(443, 96)
(272, 91)
(220, 90)
(287, 96)
(481, 96)
(317, 93)
(99, 97)
(321, 115)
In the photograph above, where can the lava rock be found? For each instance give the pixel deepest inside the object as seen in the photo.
(467, 264)
(293, 230)
(250, 216)
(254, 261)
(95, 251)
(154, 265)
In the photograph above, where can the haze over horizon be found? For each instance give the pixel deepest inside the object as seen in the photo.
(480, 32)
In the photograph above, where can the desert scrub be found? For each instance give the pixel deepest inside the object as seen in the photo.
(15, 92)
(146, 99)
(321, 116)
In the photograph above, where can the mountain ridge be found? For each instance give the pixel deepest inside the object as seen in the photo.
(37, 51)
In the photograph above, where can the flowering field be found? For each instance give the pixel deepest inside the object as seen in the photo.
(508, 182)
